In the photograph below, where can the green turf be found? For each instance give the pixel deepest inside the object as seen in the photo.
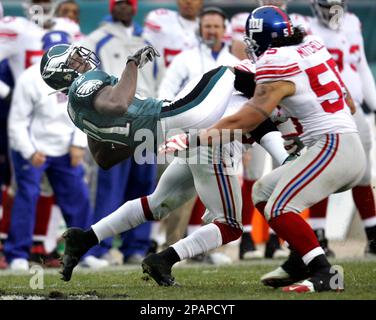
(239, 282)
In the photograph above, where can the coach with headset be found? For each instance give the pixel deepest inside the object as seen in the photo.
(211, 53)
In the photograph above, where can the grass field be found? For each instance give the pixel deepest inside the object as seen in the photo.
(198, 282)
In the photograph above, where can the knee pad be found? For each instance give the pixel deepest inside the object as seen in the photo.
(229, 233)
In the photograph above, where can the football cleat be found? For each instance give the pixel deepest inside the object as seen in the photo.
(159, 269)
(291, 271)
(247, 248)
(318, 282)
(75, 248)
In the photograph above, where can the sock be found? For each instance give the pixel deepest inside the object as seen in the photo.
(90, 238)
(364, 201)
(128, 216)
(170, 255)
(319, 263)
(371, 233)
(292, 228)
(208, 237)
(198, 211)
(318, 210)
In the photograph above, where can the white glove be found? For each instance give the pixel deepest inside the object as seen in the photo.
(144, 55)
(175, 143)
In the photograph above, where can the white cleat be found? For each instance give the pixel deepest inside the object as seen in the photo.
(252, 254)
(93, 262)
(277, 278)
(280, 253)
(219, 258)
(19, 264)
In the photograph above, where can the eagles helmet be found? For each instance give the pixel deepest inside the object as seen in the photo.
(329, 12)
(264, 26)
(56, 65)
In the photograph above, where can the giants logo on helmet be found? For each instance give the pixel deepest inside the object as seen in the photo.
(255, 25)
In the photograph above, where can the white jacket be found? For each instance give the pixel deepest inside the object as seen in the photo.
(113, 43)
(190, 64)
(38, 121)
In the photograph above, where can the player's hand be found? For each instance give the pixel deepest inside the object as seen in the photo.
(144, 55)
(292, 144)
(175, 143)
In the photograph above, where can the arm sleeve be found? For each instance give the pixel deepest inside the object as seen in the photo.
(175, 77)
(276, 65)
(20, 117)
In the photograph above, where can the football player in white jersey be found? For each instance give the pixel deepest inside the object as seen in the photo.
(342, 35)
(296, 72)
(171, 32)
(254, 168)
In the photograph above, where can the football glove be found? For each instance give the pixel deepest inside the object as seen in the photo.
(292, 144)
(175, 144)
(143, 56)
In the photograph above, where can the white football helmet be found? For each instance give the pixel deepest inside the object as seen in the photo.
(39, 11)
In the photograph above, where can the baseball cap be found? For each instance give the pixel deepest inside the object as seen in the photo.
(133, 3)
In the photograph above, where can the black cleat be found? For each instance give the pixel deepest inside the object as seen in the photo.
(157, 268)
(291, 271)
(371, 249)
(75, 248)
(247, 248)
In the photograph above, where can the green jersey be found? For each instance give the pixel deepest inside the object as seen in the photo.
(143, 113)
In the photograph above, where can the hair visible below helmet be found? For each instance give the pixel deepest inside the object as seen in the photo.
(329, 12)
(55, 65)
(267, 27)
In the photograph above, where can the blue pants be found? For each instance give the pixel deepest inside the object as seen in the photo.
(71, 194)
(123, 182)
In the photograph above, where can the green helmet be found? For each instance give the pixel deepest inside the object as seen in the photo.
(55, 65)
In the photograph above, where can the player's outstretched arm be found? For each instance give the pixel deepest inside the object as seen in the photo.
(115, 100)
(107, 154)
(266, 97)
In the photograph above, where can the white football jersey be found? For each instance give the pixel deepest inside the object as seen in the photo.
(170, 33)
(20, 43)
(344, 45)
(319, 101)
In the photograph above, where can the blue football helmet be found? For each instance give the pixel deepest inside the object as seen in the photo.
(264, 25)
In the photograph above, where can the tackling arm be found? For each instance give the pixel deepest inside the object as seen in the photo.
(267, 96)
